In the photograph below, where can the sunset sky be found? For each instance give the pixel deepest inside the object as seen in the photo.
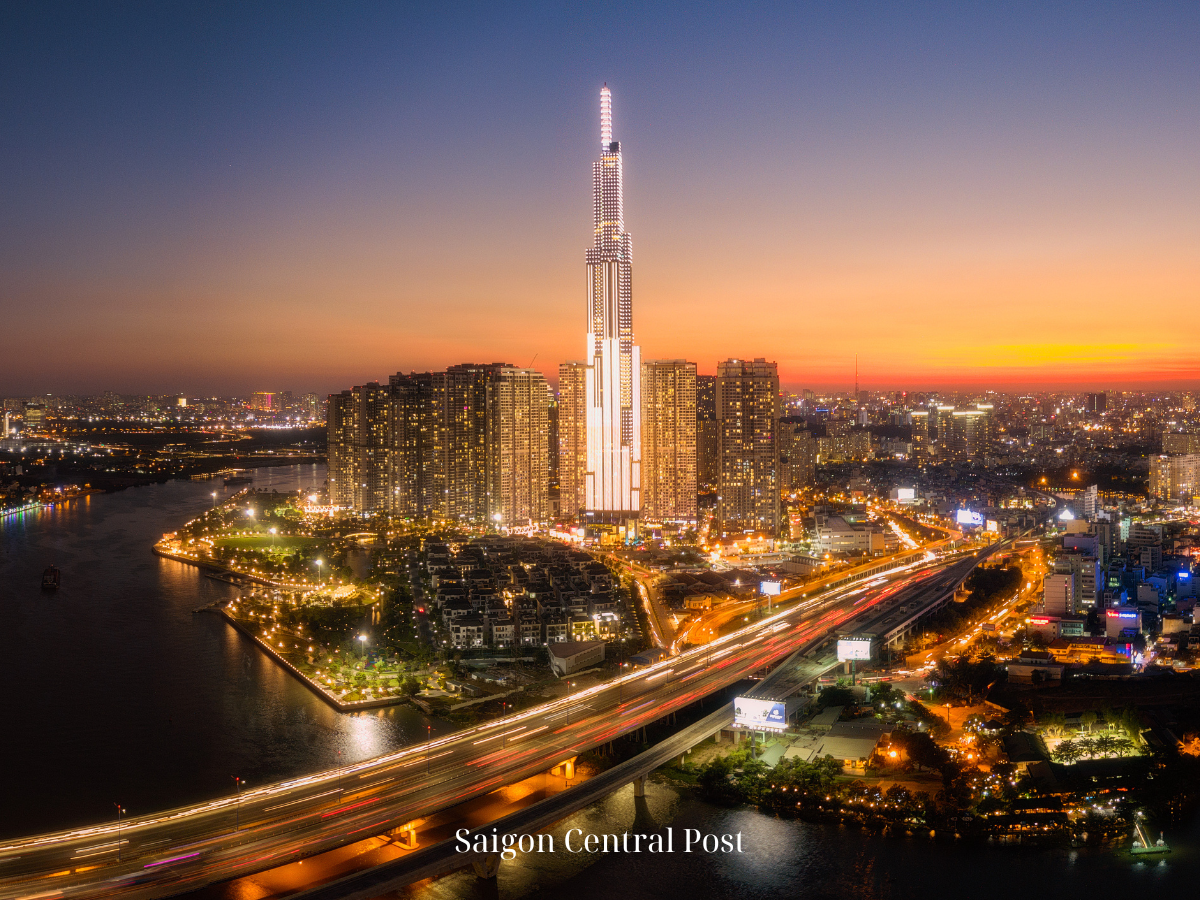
(219, 198)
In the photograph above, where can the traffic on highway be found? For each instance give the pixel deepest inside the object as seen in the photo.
(181, 849)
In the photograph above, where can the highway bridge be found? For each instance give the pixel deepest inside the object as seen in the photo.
(183, 849)
(446, 856)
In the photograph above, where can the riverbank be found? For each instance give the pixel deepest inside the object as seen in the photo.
(334, 701)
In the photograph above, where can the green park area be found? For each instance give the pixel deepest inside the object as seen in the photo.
(283, 544)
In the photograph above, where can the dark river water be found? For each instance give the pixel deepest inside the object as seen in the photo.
(115, 691)
(790, 859)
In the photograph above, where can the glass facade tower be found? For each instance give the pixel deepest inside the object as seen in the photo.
(612, 479)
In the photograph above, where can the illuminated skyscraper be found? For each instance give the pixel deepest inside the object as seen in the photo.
(572, 437)
(707, 439)
(612, 479)
(748, 416)
(360, 448)
(669, 440)
(518, 447)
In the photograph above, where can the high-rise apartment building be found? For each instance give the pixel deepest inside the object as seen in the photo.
(669, 440)
(265, 401)
(838, 432)
(468, 445)
(360, 448)
(572, 438)
(1180, 443)
(1096, 403)
(612, 480)
(518, 452)
(467, 390)
(1175, 477)
(962, 434)
(797, 453)
(748, 416)
(707, 437)
(920, 433)
(942, 422)
(418, 445)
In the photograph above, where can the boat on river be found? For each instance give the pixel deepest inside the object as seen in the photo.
(50, 578)
(1142, 845)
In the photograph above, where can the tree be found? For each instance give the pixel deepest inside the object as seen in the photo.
(921, 749)
(1054, 724)
(1106, 745)
(1067, 752)
(1087, 719)
(885, 695)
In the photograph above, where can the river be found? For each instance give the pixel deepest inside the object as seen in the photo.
(786, 858)
(114, 691)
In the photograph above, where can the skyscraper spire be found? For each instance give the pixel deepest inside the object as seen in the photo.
(612, 479)
(605, 118)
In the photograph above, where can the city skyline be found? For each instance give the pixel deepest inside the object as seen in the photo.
(193, 214)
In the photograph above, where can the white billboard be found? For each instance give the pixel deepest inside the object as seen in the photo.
(770, 588)
(853, 648)
(754, 713)
(969, 517)
(906, 493)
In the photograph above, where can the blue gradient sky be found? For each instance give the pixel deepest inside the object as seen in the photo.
(229, 197)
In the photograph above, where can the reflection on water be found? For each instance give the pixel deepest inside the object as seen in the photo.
(115, 691)
(786, 858)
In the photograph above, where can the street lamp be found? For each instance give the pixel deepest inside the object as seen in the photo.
(320, 562)
(120, 810)
(237, 816)
(363, 638)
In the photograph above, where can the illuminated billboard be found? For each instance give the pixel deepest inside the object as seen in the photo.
(993, 525)
(770, 588)
(853, 648)
(906, 493)
(751, 712)
(969, 518)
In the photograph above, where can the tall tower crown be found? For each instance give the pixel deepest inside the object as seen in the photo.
(605, 118)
